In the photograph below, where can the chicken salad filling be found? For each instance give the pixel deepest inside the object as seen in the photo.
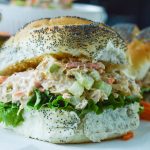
(71, 84)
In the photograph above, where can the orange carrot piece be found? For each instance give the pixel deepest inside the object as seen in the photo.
(41, 89)
(19, 94)
(111, 80)
(129, 135)
(145, 115)
(2, 79)
(145, 104)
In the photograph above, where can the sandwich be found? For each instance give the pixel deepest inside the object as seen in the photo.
(62, 81)
(139, 60)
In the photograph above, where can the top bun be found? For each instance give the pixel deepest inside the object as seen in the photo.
(139, 54)
(61, 37)
(127, 31)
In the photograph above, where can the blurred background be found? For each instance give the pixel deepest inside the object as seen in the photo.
(120, 11)
(16, 13)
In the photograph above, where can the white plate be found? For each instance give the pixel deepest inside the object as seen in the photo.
(141, 141)
(14, 17)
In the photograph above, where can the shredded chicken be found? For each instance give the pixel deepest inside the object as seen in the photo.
(19, 86)
(96, 66)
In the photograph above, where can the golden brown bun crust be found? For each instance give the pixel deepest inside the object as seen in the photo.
(23, 65)
(139, 48)
(139, 53)
(61, 37)
(67, 20)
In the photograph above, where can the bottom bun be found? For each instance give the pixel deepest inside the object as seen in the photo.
(59, 126)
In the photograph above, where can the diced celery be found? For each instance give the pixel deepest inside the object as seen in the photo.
(85, 80)
(83, 103)
(95, 74)
(54, 68)
(75, 100)
(107, 88)
(76, 89)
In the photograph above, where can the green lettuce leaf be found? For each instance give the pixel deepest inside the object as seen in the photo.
(49, 100)
(111, 103)
(9, 114)
(91, 106)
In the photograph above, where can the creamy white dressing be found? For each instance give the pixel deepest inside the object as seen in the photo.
(19, 86)
(56, 82)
